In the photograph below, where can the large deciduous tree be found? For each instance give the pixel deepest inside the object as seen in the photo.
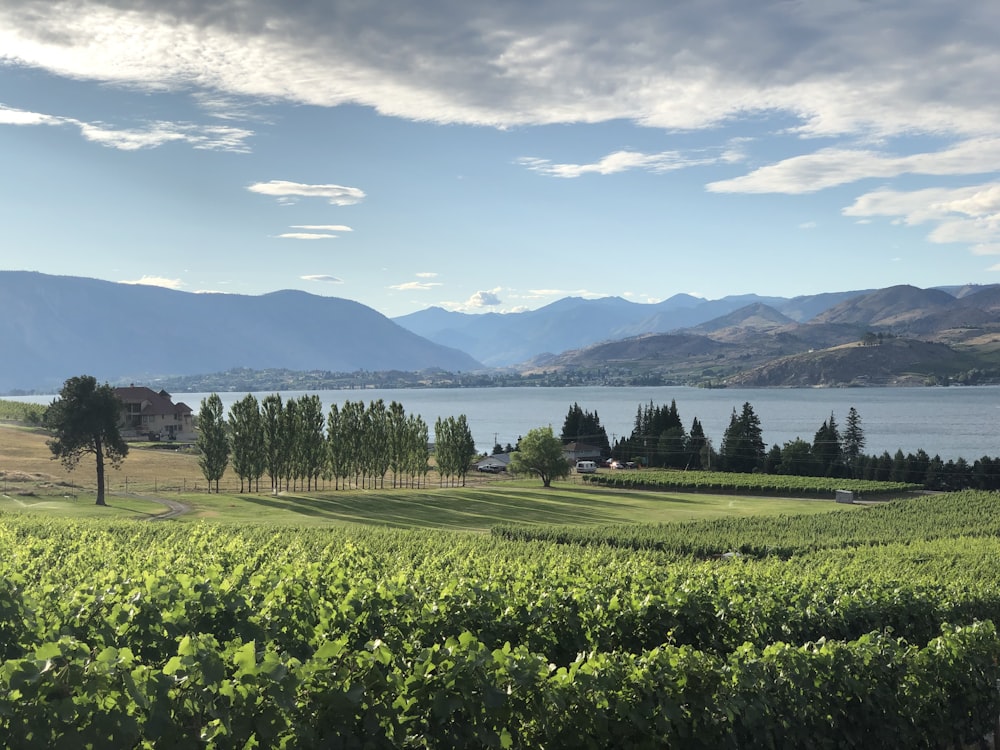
(540, 453)
(85, 419)
(213, 443)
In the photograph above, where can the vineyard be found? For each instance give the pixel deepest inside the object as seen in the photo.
(715, 481)
(868, 628)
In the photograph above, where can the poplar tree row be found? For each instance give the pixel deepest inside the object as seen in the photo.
(296, 446)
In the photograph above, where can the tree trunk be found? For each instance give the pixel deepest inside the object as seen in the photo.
(100, 471)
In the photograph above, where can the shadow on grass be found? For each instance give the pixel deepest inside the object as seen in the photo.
(472, 508)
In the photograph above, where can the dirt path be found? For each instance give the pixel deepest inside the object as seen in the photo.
(174, 508)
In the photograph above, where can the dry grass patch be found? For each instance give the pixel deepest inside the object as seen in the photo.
(25, 459)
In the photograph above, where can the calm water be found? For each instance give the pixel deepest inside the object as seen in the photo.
(950, 422)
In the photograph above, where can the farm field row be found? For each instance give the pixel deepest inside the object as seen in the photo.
(117, 632)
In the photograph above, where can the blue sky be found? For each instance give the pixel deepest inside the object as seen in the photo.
(499, 156)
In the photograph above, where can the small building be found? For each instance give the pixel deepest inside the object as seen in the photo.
(153, 415)
(844, 496)
(494, 464)
(581, 452)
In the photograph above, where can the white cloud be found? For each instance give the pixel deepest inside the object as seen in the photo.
(150, 135)
(323, 277)
(409, 286)
(156, 281)
(622, 161)
(538, 293)
(426, 275)
(969, 215)
(808, 225)
(484, 298)
(306, 236)
(918, 66)
(11, 116)
(830, 167)
(338, 195)
(323, 227)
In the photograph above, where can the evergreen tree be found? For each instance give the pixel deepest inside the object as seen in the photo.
(826, 449)
(213, 443)
(584, 427)
(695, 445)
(898, 472)
(84, 419)
(853, 440)
(742, 443)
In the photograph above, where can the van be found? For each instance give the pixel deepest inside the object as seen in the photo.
(586, 467)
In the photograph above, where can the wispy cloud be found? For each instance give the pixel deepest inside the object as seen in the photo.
(322, 277)
(426, 275)
(323, 227)
(623, 161)
(155, 281)
(338, 195)
(969, 215)
(149, 135)
(306, 236)
(830, 167)
(409, 286)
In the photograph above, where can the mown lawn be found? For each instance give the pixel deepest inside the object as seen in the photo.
(31, 482)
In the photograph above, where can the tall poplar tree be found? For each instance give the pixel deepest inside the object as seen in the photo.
(246, 440)
(272, 420)
(213, 443)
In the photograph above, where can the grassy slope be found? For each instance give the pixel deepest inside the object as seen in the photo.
(32, 482)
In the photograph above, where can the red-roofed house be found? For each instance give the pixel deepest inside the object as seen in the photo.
(154, 415)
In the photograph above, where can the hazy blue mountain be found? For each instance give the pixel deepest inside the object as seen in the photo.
(54, 327)
(506, 339)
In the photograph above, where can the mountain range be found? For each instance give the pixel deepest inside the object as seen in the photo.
(54, 327)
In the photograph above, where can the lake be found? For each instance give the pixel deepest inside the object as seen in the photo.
(951, 422)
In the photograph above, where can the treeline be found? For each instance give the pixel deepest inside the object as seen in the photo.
(297, 446)
(659, 440)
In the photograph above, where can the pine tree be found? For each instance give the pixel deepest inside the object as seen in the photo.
(853, 440)
(742, 443)
(84, 419)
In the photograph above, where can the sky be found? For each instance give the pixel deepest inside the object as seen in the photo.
(497, 156)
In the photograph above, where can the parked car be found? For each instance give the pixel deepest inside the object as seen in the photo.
(586, 467)
(491, 468)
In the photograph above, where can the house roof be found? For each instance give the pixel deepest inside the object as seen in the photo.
(581, 448)
(502, 459)
(153, 403)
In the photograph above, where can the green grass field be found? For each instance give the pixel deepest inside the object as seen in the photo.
(466, 509)
(31, 482)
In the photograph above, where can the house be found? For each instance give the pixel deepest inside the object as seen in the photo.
(581, 452)
(494, 464)
(152, 414)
